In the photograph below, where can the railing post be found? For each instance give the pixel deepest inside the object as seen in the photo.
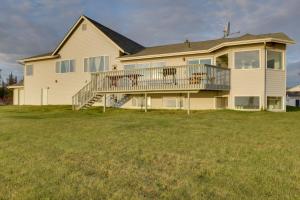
(189, 103)
(146, 105)
(104, 103)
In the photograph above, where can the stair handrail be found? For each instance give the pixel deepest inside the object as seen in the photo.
(84, 95)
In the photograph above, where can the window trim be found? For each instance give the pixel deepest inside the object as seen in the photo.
(251, 109)
(142, 99)
(150, 63)
(200, 58)
(282, 104)
(60, 61)
(243, 50)
(222, 54)
(105, 55)
(282, 61)
(178, 99)
(27, 70)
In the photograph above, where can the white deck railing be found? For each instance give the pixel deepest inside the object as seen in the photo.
(187, 77)
(156, 79)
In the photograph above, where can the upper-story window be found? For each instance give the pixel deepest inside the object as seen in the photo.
(247, 60)
(222, 61)
(200, 61)
(65, 66)
(274, 59)
(29, 70)
(96, 64)
(144, 65)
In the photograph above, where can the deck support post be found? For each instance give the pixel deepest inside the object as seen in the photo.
(146, 106)
(188, 103)
(104, 103)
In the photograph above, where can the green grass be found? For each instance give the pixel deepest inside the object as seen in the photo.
(55, 153)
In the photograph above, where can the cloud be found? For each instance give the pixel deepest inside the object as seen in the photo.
(31, 27)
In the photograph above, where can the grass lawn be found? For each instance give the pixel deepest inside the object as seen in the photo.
(55, 153)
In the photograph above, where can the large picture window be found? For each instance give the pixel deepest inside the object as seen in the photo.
(199, 61)
(274, 103)
(65, 66)
(144, 65)
(29, 70)
(247, 60)
(96, 64)
(274, 59)
(246, 102)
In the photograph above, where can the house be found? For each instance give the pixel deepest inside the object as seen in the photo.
(293, 96)
(94, 65)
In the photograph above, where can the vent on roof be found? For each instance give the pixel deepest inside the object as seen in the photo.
(83, 27)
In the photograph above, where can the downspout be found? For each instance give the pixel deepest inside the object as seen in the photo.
(265, 77)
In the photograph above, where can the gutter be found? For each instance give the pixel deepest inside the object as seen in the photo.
(22, 61)
(225, 44)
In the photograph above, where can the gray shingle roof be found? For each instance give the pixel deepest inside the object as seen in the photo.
(203, 45)
(128, 45)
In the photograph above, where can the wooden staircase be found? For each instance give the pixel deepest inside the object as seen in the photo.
(86, 97)
(94, 99)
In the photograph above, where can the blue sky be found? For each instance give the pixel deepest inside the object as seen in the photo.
(30, 27)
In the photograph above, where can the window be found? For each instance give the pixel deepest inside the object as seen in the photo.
(274, 103)
(29, 70)
(193, 69)
(83, 27)
(274, 59)
(171, 102)
(247, 102)
(65, 66)
(222, 61)
(144, 65)
(96, 64)
(147, 74)
(139, 101)
(199, 61)
(247, 60)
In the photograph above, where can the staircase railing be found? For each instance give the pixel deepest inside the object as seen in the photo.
(82, 97)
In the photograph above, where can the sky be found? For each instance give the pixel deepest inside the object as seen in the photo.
(30, 27)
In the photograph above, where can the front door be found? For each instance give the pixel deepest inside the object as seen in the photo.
(44, 96)
(297, 103)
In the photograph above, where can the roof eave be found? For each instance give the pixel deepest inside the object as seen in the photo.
(15, 86)
(22, 61)
(225, 44)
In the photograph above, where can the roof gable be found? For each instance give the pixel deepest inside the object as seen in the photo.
(125, 44)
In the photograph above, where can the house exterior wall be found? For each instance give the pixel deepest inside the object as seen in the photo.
(204, 100)
(244, 82)
(58, 88)
(62, 86)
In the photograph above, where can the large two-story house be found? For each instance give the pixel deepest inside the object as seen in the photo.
(94, 65)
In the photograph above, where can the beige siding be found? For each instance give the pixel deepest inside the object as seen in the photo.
(199, 101)
(61, 87)
(275, 83)
(18, 96)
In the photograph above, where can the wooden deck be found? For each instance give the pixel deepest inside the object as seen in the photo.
(170, 78)
(184, 78)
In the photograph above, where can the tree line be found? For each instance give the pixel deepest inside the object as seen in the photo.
(6, 95)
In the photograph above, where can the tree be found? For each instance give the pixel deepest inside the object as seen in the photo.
(6, 95)
(11, 79)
